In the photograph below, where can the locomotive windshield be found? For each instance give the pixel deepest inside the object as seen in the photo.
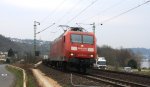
(76, 38)
(87, 39)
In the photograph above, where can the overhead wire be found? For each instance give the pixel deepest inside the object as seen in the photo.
(68, 12)
(82, 11)
(71, 9)
(57, 7)
(114, 17)
(45, 28)
(53, 12)
(105, 10)
(109, 19)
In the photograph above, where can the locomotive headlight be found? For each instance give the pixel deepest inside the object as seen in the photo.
(71, 54)
(91, 55)
(90, 49)
(73, 48)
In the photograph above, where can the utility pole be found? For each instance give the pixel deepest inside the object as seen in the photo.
(35, 27)
(93, 27)
(35, 33)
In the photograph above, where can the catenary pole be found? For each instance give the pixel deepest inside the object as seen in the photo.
(35, 27)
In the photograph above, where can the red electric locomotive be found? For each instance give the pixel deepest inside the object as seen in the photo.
(74, 48)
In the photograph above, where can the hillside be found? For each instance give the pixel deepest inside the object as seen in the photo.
(6, 44)
(27, 45)
(23, 45)
(145, 52)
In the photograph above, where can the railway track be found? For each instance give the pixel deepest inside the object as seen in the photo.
(113, 78)
(131, 77)
(112, 81)
(119, 73)
(116, 82)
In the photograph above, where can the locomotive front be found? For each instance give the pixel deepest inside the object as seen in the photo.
(80, 49)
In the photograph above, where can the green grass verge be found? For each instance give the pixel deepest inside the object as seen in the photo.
(143, 71)
(18, 74)
(31, 81)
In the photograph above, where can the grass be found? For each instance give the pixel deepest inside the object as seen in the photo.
(143, 71)
(31, 80)
(18, 74)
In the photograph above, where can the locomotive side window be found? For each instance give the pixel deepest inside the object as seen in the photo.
(76, 38)
(64, 38)
(87, 39)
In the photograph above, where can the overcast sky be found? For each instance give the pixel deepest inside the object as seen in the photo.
(129, 30)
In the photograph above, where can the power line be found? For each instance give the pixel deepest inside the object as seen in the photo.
(72, 8)
(112, 6)
(45, 28)
(105, 10)
(125, 12)
(57, 7)
(56, 30)
(82, 11)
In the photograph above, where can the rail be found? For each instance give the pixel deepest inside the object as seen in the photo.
(113, 80)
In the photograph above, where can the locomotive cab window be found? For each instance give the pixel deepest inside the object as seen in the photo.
(87, 39)
(75, 38)
(64, 38)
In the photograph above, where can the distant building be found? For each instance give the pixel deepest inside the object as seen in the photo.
(145, 63)
(3, 55)
(45, 56)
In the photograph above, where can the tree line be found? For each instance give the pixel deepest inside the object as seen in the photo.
(119, 57)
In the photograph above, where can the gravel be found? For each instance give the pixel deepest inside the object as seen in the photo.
(64, 78)
(124, 76)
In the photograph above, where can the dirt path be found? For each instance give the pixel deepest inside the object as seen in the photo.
(43, 80)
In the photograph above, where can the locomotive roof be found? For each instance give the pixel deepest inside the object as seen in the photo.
(74, 32)
(79, 32)
(76, 29)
